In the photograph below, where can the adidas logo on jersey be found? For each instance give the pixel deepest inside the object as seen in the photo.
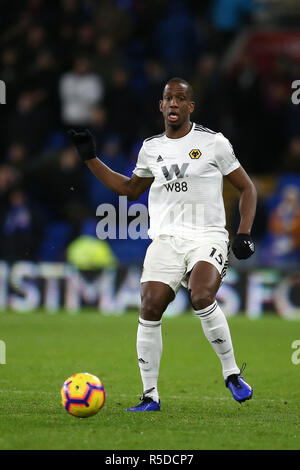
(160, 159)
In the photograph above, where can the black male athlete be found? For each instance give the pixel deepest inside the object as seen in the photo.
(184, 169)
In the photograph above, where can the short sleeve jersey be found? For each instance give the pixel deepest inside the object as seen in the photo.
(186, 196)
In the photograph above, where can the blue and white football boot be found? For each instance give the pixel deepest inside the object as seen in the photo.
(239, 388)
(147, 403)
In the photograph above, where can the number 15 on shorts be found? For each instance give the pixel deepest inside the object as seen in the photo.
(218, 257)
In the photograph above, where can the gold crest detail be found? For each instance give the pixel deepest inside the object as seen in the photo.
(195, 153)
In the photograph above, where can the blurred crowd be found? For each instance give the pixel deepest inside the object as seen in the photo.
(102, 65)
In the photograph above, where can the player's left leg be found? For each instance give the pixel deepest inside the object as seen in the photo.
(203, 285)
(204, 282)
(163, 270)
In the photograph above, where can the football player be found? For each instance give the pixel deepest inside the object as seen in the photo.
(184, 168)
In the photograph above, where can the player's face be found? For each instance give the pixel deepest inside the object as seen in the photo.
(176, 105)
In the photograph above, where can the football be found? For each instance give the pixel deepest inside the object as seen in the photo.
(83, 395)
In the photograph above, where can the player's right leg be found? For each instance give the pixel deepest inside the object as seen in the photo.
(156, 296)
(163, 270)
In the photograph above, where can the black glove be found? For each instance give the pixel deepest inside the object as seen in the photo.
(84, 143)
(243, 246)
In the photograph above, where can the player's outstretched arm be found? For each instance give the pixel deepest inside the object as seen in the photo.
(243, 245)
(132, 187)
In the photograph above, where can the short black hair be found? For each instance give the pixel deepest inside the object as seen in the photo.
(184, 82)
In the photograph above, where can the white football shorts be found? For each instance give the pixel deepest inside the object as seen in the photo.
(170, 259)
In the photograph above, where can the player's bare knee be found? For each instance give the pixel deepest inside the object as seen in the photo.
(151, 308)
(151, 311)
(201, 298)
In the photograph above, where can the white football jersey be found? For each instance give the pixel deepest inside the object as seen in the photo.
(186, 196)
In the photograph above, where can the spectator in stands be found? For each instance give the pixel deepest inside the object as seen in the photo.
(85, 39)
(175, 39)
(30, 122)
(21, 228)
(291, 161)
(110, 18)
(9, 178)
(17, 156)
(98, 125)
(284, 227)
(155, 77)
(206, 82)
(275, 109)
(227, 17)
(106, 58)
(42, 79)
(66, 40)
(70, 12)
(241, 97)
(58, 179)
(122, 104)
(80, 90)
(36, 40)
(43, 13)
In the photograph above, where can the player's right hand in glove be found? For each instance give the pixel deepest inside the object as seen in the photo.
(84, 143)
(243, 246)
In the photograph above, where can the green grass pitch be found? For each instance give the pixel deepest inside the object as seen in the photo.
(198, 412)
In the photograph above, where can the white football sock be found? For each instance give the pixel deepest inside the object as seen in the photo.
(217, 332)
(149, 350)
